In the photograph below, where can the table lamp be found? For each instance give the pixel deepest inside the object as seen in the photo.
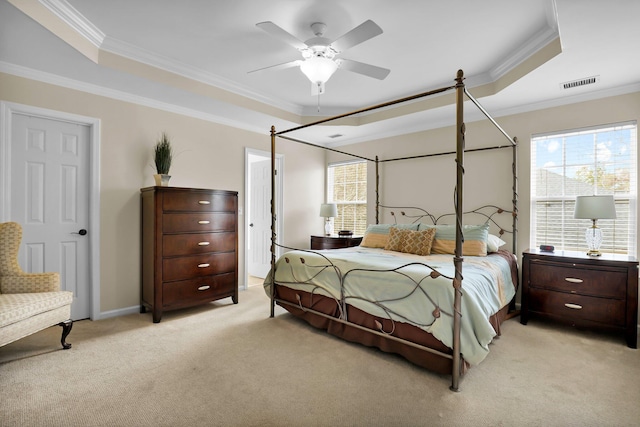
(328, 210)
(594, 208)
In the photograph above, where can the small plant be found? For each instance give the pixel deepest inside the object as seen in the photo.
(163, 154)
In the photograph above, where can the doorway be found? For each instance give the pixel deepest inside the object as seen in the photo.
(50, 185)
(258, 213)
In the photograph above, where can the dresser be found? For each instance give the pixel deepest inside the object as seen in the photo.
(584, 291)
(189, 247)
(334, 242)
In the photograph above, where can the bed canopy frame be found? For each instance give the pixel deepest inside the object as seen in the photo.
(460, 93)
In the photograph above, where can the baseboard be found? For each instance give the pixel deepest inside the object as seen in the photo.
(119, 312)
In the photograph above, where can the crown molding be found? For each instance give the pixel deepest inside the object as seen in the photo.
(74, 19)
(474, 115)
(127, 50)
(426, 125)
(85, 28)
(119, 95)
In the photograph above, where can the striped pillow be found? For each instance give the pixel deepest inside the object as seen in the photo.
(475, 239)
(377, 235)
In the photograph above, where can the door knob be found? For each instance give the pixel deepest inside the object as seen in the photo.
(251, 225)
(82, 232)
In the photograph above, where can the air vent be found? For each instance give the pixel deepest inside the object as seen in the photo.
(335, 135)
(580, 82)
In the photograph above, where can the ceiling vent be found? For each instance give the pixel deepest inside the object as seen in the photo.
(580, 82)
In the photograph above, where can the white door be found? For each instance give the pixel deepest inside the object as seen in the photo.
(260, 219)
(50, 199)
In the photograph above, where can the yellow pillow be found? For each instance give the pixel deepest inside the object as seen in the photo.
(377, 235)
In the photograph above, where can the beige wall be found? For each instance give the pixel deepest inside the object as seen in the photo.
(429, 183)
(208, 155)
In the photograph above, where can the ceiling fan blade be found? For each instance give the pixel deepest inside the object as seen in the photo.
(362, 68)
(281, 34)
(282, 66)
(363, 32)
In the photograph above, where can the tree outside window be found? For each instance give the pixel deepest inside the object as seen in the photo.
(584, 162)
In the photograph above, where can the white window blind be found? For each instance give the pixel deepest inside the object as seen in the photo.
(594, 161)
(347, 188)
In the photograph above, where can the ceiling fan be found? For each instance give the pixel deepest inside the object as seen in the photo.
(320, 55)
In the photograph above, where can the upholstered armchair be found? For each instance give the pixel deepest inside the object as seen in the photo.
(29, 302)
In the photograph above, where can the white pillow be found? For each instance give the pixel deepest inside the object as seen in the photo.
(493, 243)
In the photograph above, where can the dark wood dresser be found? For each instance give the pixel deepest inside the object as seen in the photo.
(584, 291)
(189, 247)
(334, 242)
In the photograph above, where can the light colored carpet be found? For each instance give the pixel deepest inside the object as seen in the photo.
(231, 365)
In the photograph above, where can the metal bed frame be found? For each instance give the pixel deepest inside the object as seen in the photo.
(461, 92)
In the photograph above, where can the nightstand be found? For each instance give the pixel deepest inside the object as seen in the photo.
(334, 242)
(584, 291)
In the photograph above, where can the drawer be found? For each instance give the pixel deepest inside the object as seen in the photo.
(188, 267)
(203, 288)
(318, 242)
(611, 283)
(578, 307)
(180, 223)
(189, 244)
(198, 202)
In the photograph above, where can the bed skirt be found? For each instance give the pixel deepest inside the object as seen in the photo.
(432, 361)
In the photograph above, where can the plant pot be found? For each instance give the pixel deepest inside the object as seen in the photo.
(162, 180)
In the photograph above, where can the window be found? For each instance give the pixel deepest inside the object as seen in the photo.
(584, 162)
(347, 188)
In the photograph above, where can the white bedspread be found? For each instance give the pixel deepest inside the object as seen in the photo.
(409, 295)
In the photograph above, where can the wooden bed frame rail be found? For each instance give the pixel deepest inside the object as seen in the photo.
(460, 93)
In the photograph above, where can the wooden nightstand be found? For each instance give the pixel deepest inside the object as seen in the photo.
(585, 291)
(334, 242)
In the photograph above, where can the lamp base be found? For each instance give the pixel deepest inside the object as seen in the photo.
(593, 236)
(328, 227)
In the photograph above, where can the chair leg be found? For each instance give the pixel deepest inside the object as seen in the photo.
(66, 328)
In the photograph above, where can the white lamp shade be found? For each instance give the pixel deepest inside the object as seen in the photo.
(329, 210)
(595, 207)
(318, 69)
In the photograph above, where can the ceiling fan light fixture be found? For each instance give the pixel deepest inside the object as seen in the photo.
(318, 69)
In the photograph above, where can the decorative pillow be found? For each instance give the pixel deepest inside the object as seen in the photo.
(395, 239)
(417, 242)
(475, 239)
(494, 243)
(377, 235)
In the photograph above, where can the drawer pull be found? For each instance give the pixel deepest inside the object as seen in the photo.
(573, 306)
(572, 280)
(203, 222)
(204, 202)
(203, 243)
(203, 287)
(203, 265)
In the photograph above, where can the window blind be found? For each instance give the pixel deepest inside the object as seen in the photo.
(583, 162)
(347, 188)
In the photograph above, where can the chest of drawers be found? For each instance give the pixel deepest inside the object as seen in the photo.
(590, 292)
(189, 247)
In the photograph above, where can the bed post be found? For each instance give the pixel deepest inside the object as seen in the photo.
(514, 167)
(377, 193)
(457, 260)
(273, 220)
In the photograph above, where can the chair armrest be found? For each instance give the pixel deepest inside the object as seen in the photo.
(29, 283)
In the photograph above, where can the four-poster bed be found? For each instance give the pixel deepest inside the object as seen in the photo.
(399, 299)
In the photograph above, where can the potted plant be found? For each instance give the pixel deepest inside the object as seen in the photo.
(162, 156)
